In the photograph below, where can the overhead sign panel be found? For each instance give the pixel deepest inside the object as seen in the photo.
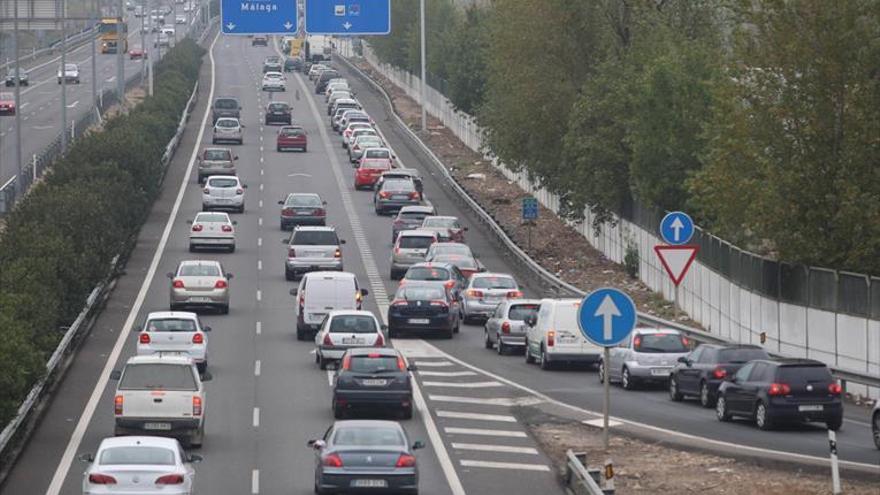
(354, 17)
(676, 260)
(258, 16)
(32, 14)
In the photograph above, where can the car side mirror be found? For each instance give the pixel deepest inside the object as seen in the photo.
(206, 376)
(86, 457)
(206, 329)
(229, 276)
(383, 327)
(189, 221)
(294, 291)
(115, 375)
(531, 320)
(137, 328)
(194, 458)
(464, 229)
(412, 367)
(684, 360)
(236, 158)
(341, 241)
(284, 240)
(235, 222)
(324, 203)
(317, 444)
(418, 445)
(169, 275)
(390, 297)
(365, 292)
(244, 186)
(281, 202)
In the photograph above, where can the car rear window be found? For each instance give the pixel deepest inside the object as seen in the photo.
(519, 312)
(158, 376)
(217, 155)
(421, 293)
(369, 141)
(398, 185)
(211, 218)
(226, 104)
(171, 325)
(353, 324)
(359, 119)
(415, 242)
(457, 260)
(449, 223)
(227, 123)
(140, 455)
(494, 283)
(6, 96)
(413, 215)
(315, 238)
(215, 182)
(425, 273)
(803, 374)
(740, 355)
(361, 436)
(199, 271)
(378, 154)
(660, 343)
(292, 131)
(303, 200)
(447, 248)
(372, 363)
(278, 107)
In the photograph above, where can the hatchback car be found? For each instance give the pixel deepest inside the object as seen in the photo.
(445, 248)
(302, 209)
(375, 162)
(292, 137)
(443, 273)
(700, 373)
(420, 308)
(409, 218)
(356, 133)
(260, 40)
(647, 355)
(371, 378)
(781, 390)
(70, 74)
(343, 97)
(484, 292)
(322, 80)
(350, 128)
(216, 161)
(199, 284)
(333, 87)
(139, 464)
(506, 329)
(292, 64)
(409, 249)
(274, 81)
(225, 106)
(212, 230)
(349, 116)
(273, 66)
(365, 455)
(311, 249)
(468, 264)
(404, 173)
(7, 104)
(278, 112)
(228, 129)
(177, 332)
(448, 228)
(356, 148)
(344, 330)
(394, 194)
(315, 69)
(223, 192)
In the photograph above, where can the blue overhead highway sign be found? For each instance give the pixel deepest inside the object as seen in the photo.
(258, 16)
(607, 316)
(676, 228)
(343, 17)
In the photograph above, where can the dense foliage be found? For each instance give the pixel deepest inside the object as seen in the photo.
(60, 239)
(761, 119)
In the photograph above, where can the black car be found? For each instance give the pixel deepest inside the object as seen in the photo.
(225, 106)
(260, 40)
(366, 455)
(404, 173)
(278, 112)
(373, 378)
(702, 372)
(292, 64)
(394, 194)
(323, 79)
(419, 308)
(781, 390)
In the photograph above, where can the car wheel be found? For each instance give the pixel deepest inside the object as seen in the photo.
(600, 372)
(487, 342)
(448, 333)
(407, 412)
(706, 399)
(321, 363)
(224, 310)
(626, 380)
(300, 332)
(305, 149)
(544, 362)
(529, 358)
(288, 275)
(721, 409)
(762, 418)
(197, 437)
(232, 248)
(499, 346)
(674, 393)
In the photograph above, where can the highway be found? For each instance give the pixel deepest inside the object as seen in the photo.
(268, 397)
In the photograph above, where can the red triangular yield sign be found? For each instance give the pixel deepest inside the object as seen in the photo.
(676, 260)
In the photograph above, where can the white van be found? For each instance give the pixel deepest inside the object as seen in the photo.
(553, 335)
(318, 294)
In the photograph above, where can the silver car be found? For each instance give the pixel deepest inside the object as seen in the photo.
(70, 74)
(448, 229)
(311, 249)
(199, 283)
(174, 331)
(212, 230)
(216, 161)
(228, 129)
(394, 194)
(409, 249)
(346, 329)
(506, 327)
(361, 143)
(647, 355)
(409, 218)
(484, 292)
(274, 81)
(366, 131)
(223, 191)
(302, 209)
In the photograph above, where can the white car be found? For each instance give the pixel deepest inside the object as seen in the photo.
(274, 81)
(319, 293)
(356, 148)
(70, 74)
(333, 87)
(316, 69)
(180, 19)
(140, 465)
(554, 337)
(223, 191)
(343, 330)
(365, 131)
(212, 230)
(228, 129)
(174, 331)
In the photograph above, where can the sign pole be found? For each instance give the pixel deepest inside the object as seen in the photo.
(675, 304)
(607, 403)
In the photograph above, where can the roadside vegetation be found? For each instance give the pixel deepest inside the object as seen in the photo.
(60, 239)
(762, 122)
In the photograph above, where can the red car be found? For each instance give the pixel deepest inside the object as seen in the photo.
(369, 170)
(292, 137)
(137, 54)
(7, 104)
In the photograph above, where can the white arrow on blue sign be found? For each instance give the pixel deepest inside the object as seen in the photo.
(348, 17)
(258, 16)
(607, 316)
(676, 228)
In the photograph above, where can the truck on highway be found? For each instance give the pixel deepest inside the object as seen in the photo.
(113, 33)
(318, 48)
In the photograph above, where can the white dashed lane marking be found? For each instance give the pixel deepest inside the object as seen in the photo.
(484, 432)
(505, 465)
(507, 449)
(477, 416)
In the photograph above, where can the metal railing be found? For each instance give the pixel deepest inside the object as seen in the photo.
(580, 479)
(73, 41)
(547, 278)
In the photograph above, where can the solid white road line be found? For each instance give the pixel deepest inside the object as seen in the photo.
(257, 367)
(255, 481)
(505, 465)
(88, 412)
(495, 448)
(446, 373)
(259, 241)
(484, 432)
(478, 416)
(463, 385)
(256, 417)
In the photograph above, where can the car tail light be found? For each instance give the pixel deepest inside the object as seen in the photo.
(397, 250)
(384, 194)
(346, 362)
(406, 460)
(101, 479)
(338, 253)
(239, 191)
(227, 228)
(287, 212)
(327, 339)
(380, 341)
(397, 222)
(514, 294)
(170, 479)
(220, 284)
(401, 364)
(414, 195)
(117, 405)
(637, 342)
(332, 460)
(834, 389)
(144, 338)
(505, 327)
(449, 284)
(551, 338)
(320, 212)
(475, 293)
(197, 228)
(399, 302)
(438, 302)
(291, 253)
(198, 338)
(207, 190)
(778, 389)
(719, 373)
(685, 341)
(197, 406)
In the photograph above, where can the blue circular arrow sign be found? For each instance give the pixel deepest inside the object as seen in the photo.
(676, 228)
(607, 316)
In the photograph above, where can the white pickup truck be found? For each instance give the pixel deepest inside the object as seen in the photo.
(160, 395)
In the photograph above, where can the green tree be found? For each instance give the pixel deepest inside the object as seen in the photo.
(466, 60)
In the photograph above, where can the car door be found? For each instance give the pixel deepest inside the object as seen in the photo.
(733, 392)
(616, 358)
(686, 373)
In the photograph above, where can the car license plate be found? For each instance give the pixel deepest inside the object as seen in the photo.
(157, 426)
(369, 483)
(400, 196)
(812, 407)
(351, 341)
(303, 213)
(419, 321)
(200, 299)
(659, 372)
(377, 382)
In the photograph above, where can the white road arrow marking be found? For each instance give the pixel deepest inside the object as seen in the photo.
(607, 310)
(676, 226)
(347, 25)
(288, 25)
(230, 26)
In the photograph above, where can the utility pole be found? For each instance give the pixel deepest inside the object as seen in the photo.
(17, 99)
(63, 73)
(122, 37)
(424, 82)
(95, 16)
(150, 61)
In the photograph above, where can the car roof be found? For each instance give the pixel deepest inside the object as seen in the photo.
(403, 172)
(332, 274)
(315, 228)
(160, 358)
(229, 118)
(217, 148)
(781, 361)
(450, 245)
(350, 312)
(205, 213)
(278, 103)
(648, 331)
(158, 315)
(384, 351)
(433, 264)
(199, 262)
(444, 217)
(147, 441)
(492, 274)
(233, 177)
(416, 208)
(417, 233)
(511, 302)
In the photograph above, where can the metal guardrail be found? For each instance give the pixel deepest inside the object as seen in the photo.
(549, 279)
(73, 41)
(581, 479)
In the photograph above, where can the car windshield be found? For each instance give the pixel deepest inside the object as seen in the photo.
(421, 293)
(415, 242)
(315, 238)
(217, 155)
(401, 185)
(660, 343)
(354, 436)
(442, 222)
(171, 325)
(211, 218)
(293, 131)
(226, 104)
(216, 182)
(303, 200)
(377, 153)
(741, 355)
(230, 123)
(458, 260)
(199, 271)
(494, 283)
(159, 376)
(373, 363)
(519, 312)
(136, 455)
(427, 273)
(353, 324)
